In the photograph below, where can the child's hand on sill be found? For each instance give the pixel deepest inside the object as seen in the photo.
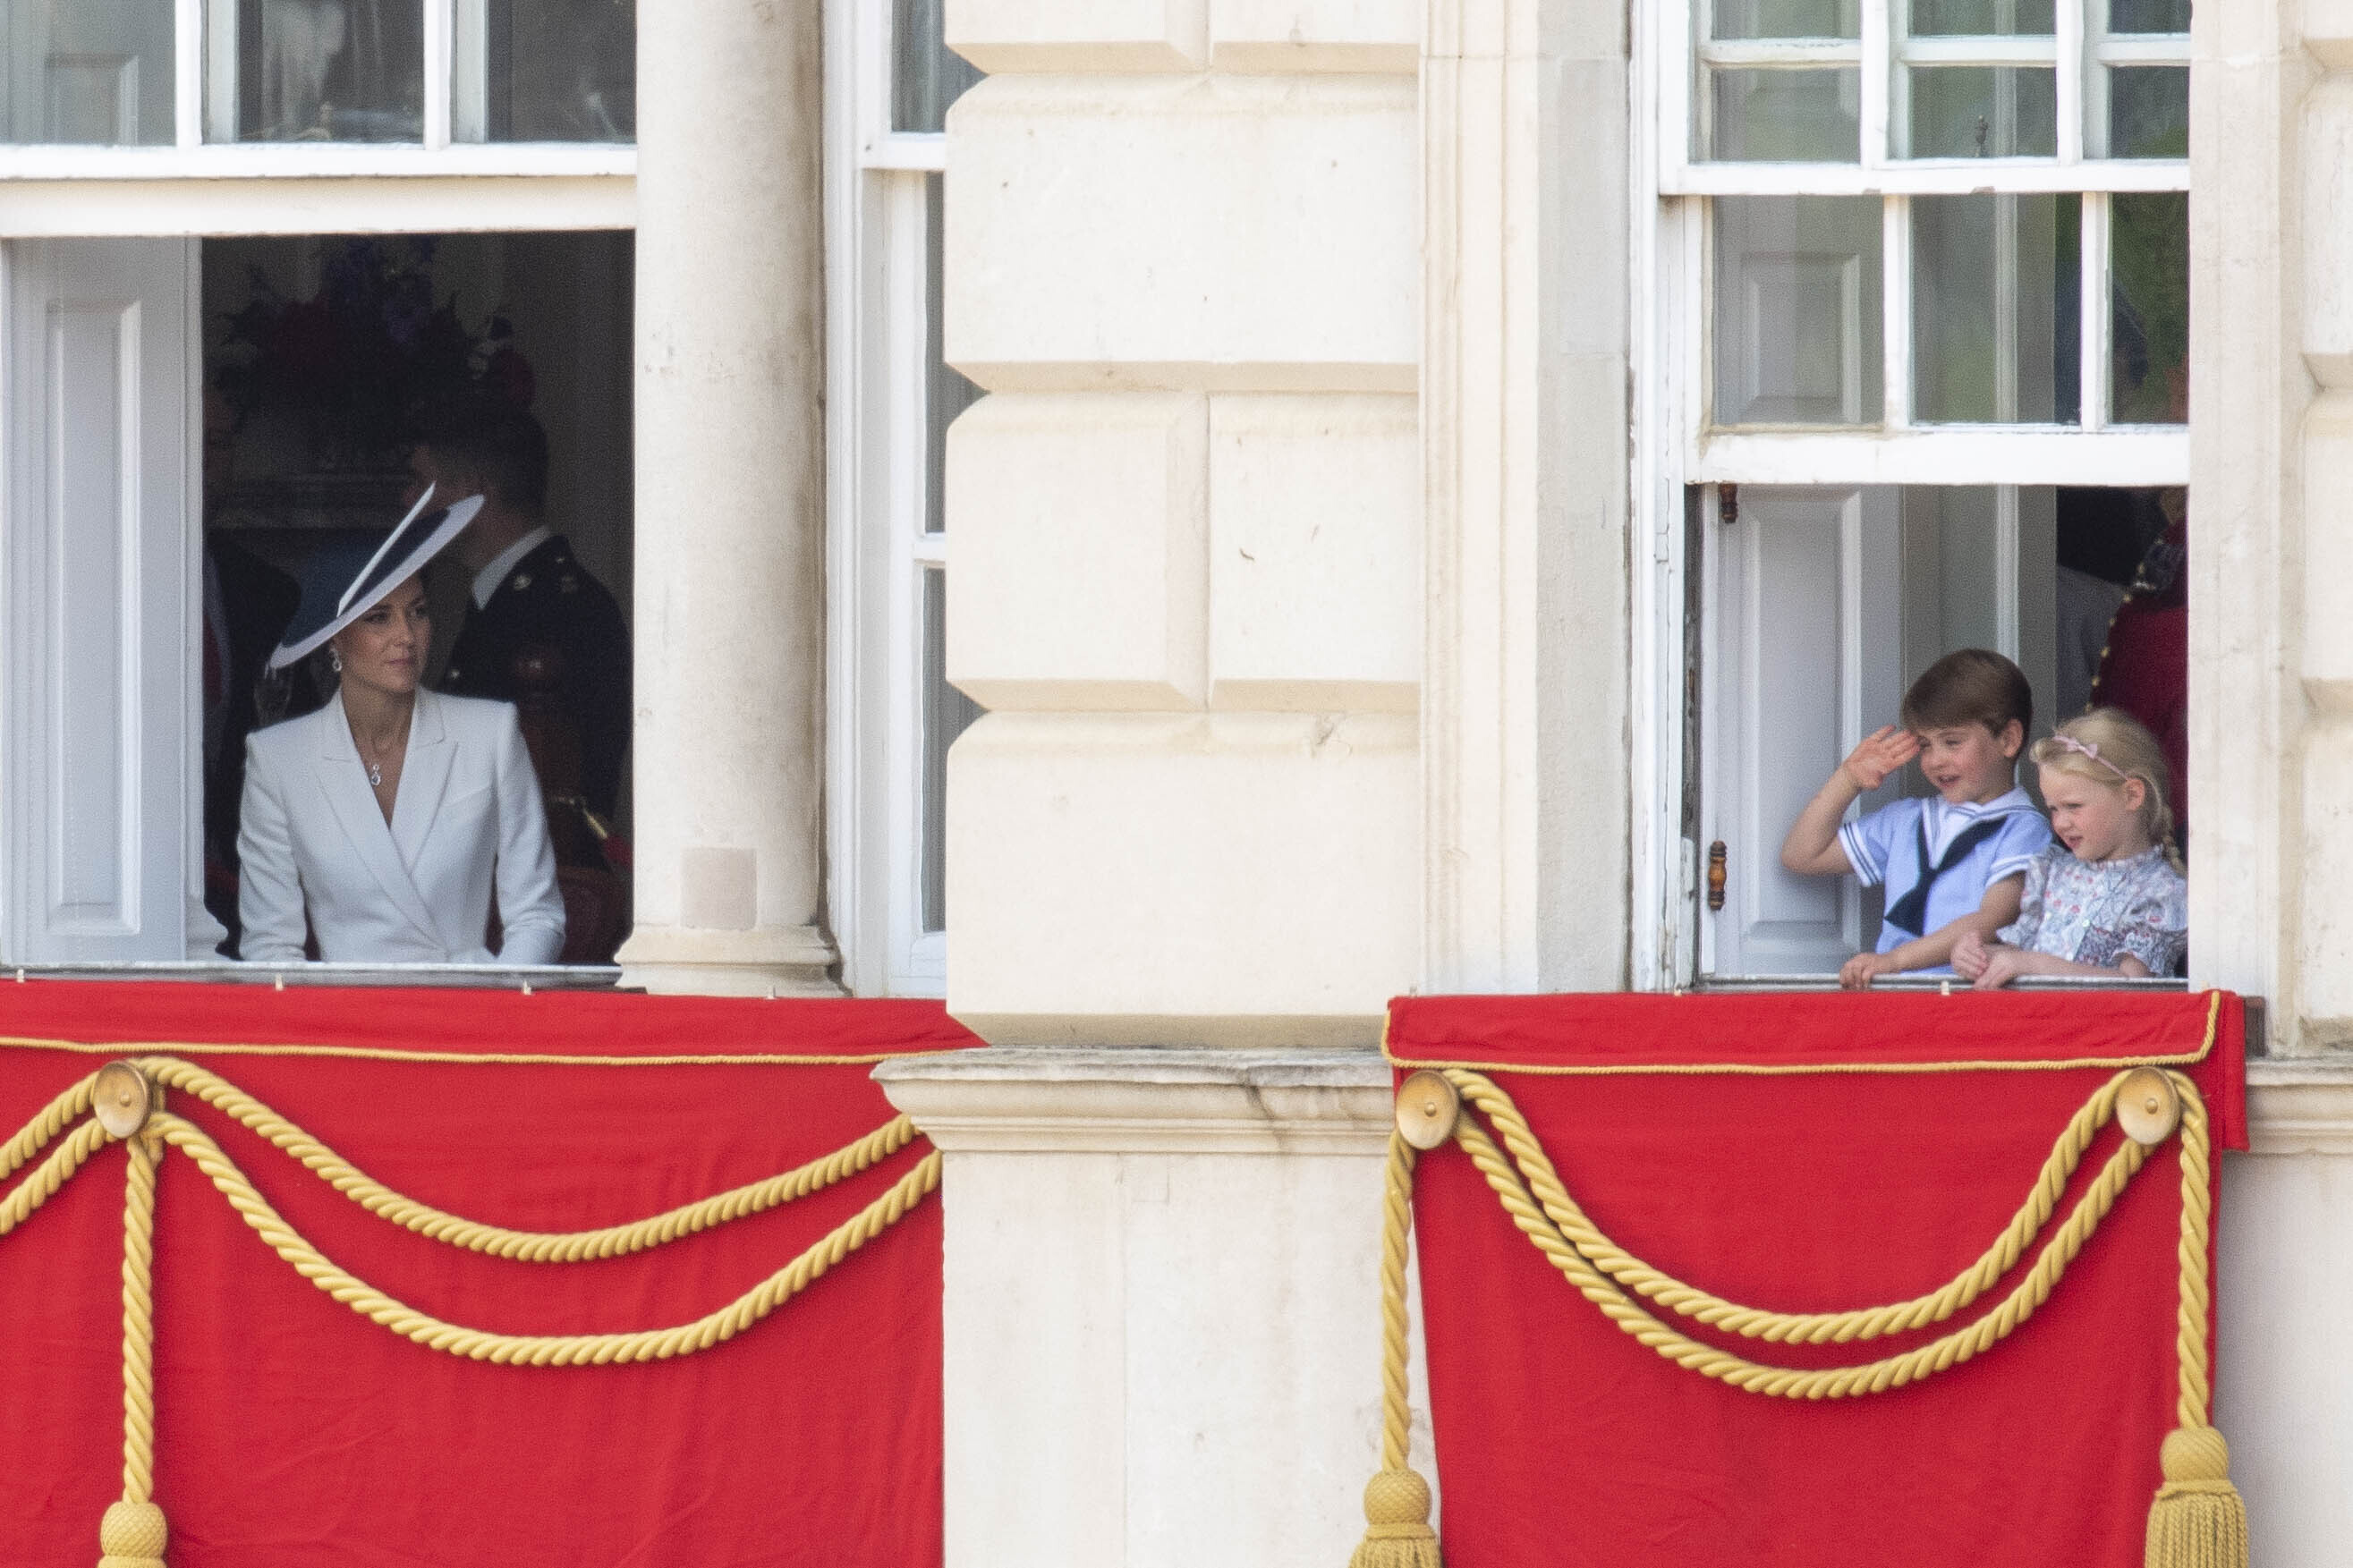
(1857, 972)
(2004, 964)
(1971, 954)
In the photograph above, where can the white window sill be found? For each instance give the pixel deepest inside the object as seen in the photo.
(223, 972)
(317, 160)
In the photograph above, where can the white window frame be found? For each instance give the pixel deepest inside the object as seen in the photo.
(878, 551)
(195, 189)
(1673, 445)
(440, 184)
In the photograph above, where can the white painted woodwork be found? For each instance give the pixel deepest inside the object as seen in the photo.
(1806, 596)
(168, 205)
(99, 545)
(97, 72)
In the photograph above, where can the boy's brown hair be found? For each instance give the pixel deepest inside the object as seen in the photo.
(1973, 686)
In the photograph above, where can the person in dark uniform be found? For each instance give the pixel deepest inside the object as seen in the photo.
(534, 613)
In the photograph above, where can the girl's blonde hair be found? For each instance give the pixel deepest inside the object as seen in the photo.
(2108, 746)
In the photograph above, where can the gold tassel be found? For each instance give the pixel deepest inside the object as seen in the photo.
(132, 1536)
(1396, 1523)
(2198, 1519)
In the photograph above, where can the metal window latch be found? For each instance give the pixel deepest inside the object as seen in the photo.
(1728, 504)
(1715, 876)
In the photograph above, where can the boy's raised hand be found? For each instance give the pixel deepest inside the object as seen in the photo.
(1883, 752)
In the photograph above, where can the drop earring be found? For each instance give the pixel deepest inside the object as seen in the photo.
(336, 660)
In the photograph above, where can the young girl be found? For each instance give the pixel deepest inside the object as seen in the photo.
(2109, 898)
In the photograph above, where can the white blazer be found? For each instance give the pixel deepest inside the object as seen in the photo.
(417, 890)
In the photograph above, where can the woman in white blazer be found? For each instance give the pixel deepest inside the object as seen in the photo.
(390, 817)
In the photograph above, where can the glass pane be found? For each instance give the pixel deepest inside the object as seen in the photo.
(926, 75)
(1996, 19)
(947, 712)
(2148, 111)
(91, 71)
(2148, 16)
(550, 70)
(1793, 116)
(946, 392)
(1797, 311)
(319, 70)
(1984, 111)
(1786, 19)
(1995, 309)
(2148, 282)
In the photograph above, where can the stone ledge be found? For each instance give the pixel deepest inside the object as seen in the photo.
(1007, 1099)
(2300, 1107)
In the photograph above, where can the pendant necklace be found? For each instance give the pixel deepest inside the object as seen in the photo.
(374, 769)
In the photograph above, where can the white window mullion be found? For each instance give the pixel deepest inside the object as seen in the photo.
(1877, 65)
(1698, 399)
(2005, 571)
(2095, 329)
(440, 39)
(1678, 101)
(188, 73)
(906, 375)
(1895, 307)
(2070, 84)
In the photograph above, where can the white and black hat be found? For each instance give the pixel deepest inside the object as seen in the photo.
(349, 577)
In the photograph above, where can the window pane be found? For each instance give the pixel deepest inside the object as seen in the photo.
(2148, 16)
(319, 70)
(925, 75)
(1996, 18)
(2148, 111)
(551, 70)
(91, 71)
(1786, 19)
(1793, 116)
(946, 713)
(1797, 311)
(2148, 273)
(1996, 311)
(946, 392)
(1973, 111)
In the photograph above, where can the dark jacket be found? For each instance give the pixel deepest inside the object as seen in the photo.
(551, 600)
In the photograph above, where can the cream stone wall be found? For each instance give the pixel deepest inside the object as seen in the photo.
(1186, 521)
(1292, 564)
(2272, 460)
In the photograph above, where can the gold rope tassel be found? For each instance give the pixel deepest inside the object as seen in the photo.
(2198, 1519)
(1397, 1501)
(133, 1534)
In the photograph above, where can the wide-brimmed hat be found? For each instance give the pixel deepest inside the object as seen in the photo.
(348, 577)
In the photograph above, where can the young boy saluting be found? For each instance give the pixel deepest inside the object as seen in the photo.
(1950, 865)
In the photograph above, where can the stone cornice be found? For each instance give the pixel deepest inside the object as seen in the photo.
(2300, 1106)
(1207, 1101)
(1173, 1102)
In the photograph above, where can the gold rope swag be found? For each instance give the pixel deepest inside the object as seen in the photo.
(123, 1102)
(2196, 1520)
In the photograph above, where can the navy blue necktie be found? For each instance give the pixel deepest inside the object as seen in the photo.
(1909, 913)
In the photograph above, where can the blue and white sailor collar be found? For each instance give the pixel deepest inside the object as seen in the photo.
(1947, 820)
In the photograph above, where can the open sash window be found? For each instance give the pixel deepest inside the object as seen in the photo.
(1917, 380)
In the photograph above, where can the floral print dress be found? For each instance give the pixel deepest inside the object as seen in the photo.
(2098, 911)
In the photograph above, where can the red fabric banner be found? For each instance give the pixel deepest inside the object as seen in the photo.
(1804, 1153)
(291, 1431)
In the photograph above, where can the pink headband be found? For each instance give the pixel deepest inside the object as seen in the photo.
(2090, 749)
